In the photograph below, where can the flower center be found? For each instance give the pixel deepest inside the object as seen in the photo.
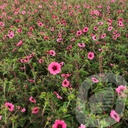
(65, 82)
(54, 68)
(115, 116)
(59, 126)
(9, 106)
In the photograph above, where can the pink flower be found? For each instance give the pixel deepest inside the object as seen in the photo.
(31, 80)
(52, 52)
(11, 35)
(115, 116)
(40, 24)
(2, 24)
(111, 64)
(82, 126)
(54, 68)
(57, 95)
(110, 28)
(25, 60)
(0, 117)
(114, 37)
(120, 89)
(65, 83)
(94, 37)
(100, 23)
(69, 47)
(59, 35)
(59, 39)
(23, 110)
(120, 23)
(40, 61)
(117, 35)
(35, 110)
(52, 29)
(19, 30)
(78, 33)
(73, 39)
(91, 55)
(10, 106)
(95, 80)
(23, 12)
(95, 28)
(14, 49)
(18, 107)
(40, 6)
(81, 45)
(19, 43)
(65, 75)
(103, 35)
(61, 63)
(115, 32)
(100, 50)
(22, 60)
(59, 124)
(85, 29)
(31, 99)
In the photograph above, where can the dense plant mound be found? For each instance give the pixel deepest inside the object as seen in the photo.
(48, 48)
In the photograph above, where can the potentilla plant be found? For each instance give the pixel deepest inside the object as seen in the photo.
(47, 50)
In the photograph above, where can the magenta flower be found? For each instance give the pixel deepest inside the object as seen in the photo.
(114, 37)
(35, 110)
(115, 116)
(54, 68)
(40, 61)
(103, 35)
(40, 23)
(120, 90)
(31, 80)
(78, 33)
(52, 29)
(65, 83)
(94, 80)
(94, 37)
(61, 63)
(59, 124)
(10, 106)
(95, 28)
(57, 95)
(66, 75)
(115, 32)
(2, 24)
(85, 29)
(91, 55)
(110, 28)
(0, 117)
(100, 50)
(23, 109)
(23, 12)
(82, 126)
(59, 39)
(111, 64)
(120, 23)
(81, 45)
(117, 35)
(52, 52)
(31, 99)
(19, 43)
(40, 6)
(11, 35)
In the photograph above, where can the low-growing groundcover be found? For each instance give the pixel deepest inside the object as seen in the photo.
(48, 48)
